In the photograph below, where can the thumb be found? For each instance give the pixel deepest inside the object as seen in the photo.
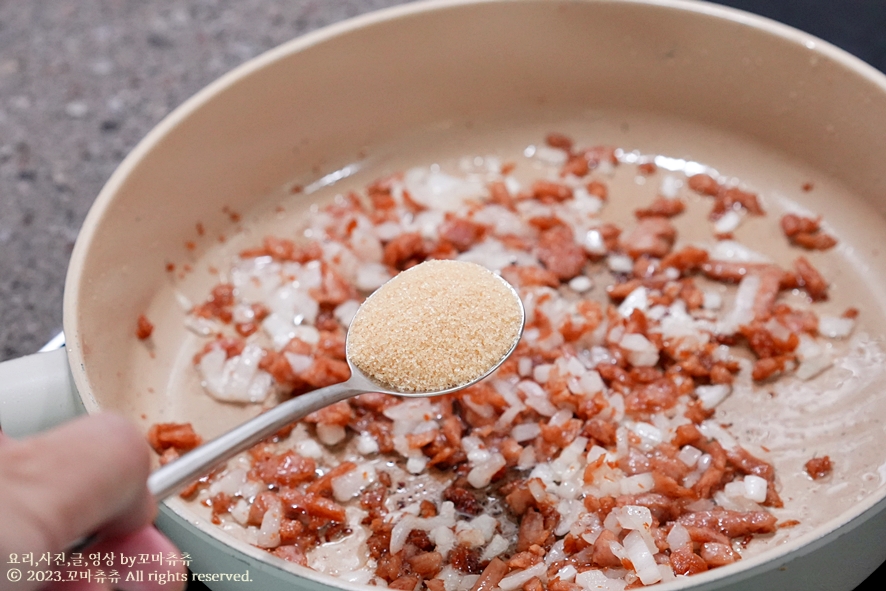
(87, 476)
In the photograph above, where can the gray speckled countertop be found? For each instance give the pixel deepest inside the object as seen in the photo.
(81, 82)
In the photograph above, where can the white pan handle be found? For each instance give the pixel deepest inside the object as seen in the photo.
(37, 392)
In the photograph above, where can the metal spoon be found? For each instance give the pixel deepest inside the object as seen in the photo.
(175, 475)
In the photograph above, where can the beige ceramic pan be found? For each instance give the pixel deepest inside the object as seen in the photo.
(430, 82)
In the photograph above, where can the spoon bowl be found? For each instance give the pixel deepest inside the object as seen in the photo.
(175, 475)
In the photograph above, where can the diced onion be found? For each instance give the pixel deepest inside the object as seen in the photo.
(835, 327)
(641, 558)
(637, 484)
(678, 537)
(712, 395)
(595, 580)
(520, 578)
(755, 488)
(636, 300)
(351, 483)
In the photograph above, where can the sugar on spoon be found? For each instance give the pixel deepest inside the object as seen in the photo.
(433, 329)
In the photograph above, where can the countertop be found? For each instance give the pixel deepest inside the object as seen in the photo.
(82, 81)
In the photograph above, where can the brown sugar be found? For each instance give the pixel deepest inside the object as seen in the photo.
(438, 325)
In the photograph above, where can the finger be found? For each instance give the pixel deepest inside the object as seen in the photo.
(84, 477)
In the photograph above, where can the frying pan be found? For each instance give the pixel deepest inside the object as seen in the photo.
(428, 83)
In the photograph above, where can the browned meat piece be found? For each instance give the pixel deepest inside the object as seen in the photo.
(653, 236)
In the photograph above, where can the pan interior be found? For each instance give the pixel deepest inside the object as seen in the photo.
(837, 414)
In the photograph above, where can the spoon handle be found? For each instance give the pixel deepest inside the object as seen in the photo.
(175, 475)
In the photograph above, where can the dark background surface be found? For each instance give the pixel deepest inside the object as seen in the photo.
(81, 81)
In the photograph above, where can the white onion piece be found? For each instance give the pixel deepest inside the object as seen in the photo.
(620, 263)
(593, 242)
(712, 300)
(650, 435)
(481, 474)
(636, 300)
(560, 417)
(713, 430)
(525, 432)
(371, 276)
(346, 311)
(633, 517)
(298, 363)
(570, 510)
(366, 245)
(416, 464)
(755, 488)
(835, 327)
(551, 155)
(468, 536)
(581, 284)
(240, 512)
(541, 373)
(520, 578)
(524, 367)
(678, 537)
(712, 395)
(200, 326)
(496, 546)
(351, 483)
(444, 539)
(407, 523)
(330, 434)
(537, 399)
(642, 559)
(309, 448)
(670, 187)
(814, 358)
(269, 533)
(417, 409)
(366, 444)
(567, 573)
(640, 351)
(689, 455)
(438, 190)
(728, 222)
(730, 250)
(237, 379)
(637, 484)
(230, 484)
(595, 580)
(743, 310)
(527, 458)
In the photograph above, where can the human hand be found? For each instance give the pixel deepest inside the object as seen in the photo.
(85, 477)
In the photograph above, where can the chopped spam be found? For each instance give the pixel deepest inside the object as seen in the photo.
(592, 458)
